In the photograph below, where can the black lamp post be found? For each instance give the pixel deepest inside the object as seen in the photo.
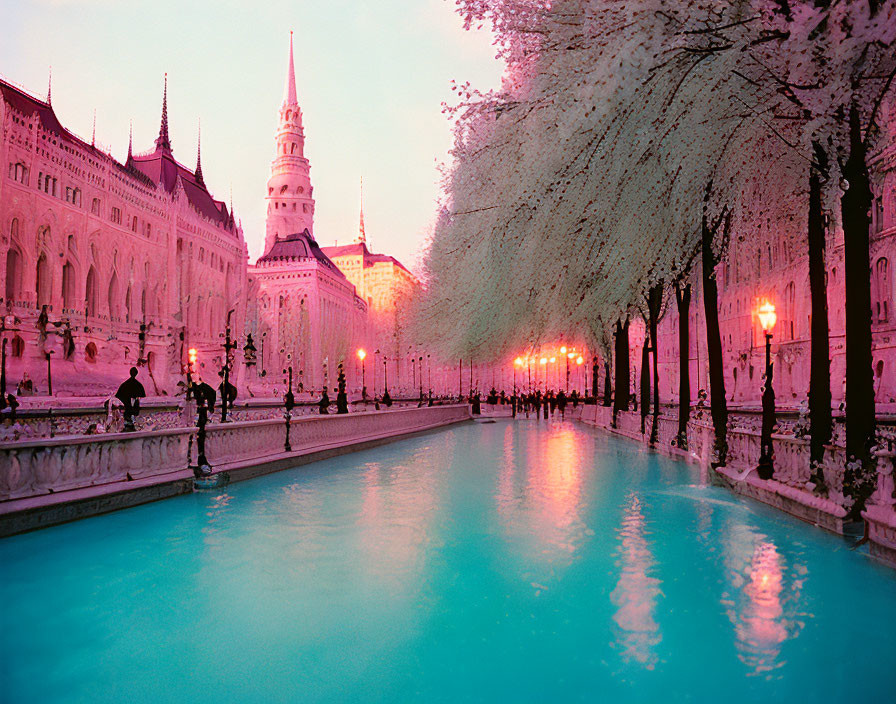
(766, 467)
(229, 346)
(49, 356)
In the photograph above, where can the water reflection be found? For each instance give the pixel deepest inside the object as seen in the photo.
(762, 608)
(636, 592)
(539, 491)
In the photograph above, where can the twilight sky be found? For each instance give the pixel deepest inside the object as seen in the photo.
(371, 78)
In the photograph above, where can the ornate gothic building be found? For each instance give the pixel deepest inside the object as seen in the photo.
(109, 264)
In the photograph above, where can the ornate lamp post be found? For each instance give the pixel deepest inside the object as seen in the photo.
(229, 346)
(766, 468)
(518, 362)
(361, 355)
(191, 367)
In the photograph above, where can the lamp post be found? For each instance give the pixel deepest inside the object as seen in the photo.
(49, 356)
(766, 467)
(518, 362)
(229, 346)
(192, 355)
(361, 355)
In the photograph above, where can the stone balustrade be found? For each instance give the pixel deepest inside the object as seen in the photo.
(791, 488)
(38, 467)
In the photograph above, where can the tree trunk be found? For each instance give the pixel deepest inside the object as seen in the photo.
(594, 378)
(645, 380)
(608, 385)
(820, 372)
(683, 299)
(717, 401)
(654, 305)
(855, 207)
(621, 398)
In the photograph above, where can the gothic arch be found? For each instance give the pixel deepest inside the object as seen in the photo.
(90, 292)
(42, 281)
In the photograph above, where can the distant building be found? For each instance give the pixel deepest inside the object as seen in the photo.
(135, 261)
(388, 288)
(303, 311)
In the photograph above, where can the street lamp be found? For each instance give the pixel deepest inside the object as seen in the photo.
(518, 362)
(229, 346)
(766, 469)
(579, 361)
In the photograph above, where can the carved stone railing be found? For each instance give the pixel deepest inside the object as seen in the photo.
(37, 467)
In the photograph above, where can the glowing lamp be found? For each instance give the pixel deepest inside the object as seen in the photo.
(543, 360)
(361, 355)
(563, 350)
(579, 360)
(192, 354)
(553, 359)
(767, 316)
(518, 361)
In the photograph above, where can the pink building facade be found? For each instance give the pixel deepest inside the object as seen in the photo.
(770, 263)
(131, 263)
(303, 312)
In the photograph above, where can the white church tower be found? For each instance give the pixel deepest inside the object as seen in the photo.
(289, 197)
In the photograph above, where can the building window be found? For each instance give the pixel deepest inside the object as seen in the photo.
(880, 291)
(877, 214)
(13, 274)
(134, 224)
(116, 216)
(18, 172)
(90, 292)
(68, 286)
(18, 346)
(95, 206)
(90, 352)
(789, 311)
(42, 281)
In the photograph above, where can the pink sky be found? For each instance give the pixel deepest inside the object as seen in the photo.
(371, 79)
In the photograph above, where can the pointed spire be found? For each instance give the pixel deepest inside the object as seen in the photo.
(163, 141)
(93, 134)
(199, 156)
(289, 95)
(362, 236)
(130, 142)
(50, 82)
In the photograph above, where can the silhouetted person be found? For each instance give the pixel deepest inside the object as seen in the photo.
(561, 403)
(477, 404)
(387, 399)
(129, 393)
(324, 403)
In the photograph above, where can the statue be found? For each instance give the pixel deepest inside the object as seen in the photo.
(324, 403)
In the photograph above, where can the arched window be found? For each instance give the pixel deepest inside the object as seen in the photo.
(114, 308)
(42, 282)
(90, 298)
(127, 305)
(18, 346)
(13, 274)
(789, 311)
(68, 286)
(293, 149)
(14, 229)
(90, 352)
(880, 291)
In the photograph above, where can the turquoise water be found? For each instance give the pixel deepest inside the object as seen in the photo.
(495, 562)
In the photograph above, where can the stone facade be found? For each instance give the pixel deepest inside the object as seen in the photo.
(134, 261)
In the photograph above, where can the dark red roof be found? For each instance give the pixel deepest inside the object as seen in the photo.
(159, 167)
(299, 245)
